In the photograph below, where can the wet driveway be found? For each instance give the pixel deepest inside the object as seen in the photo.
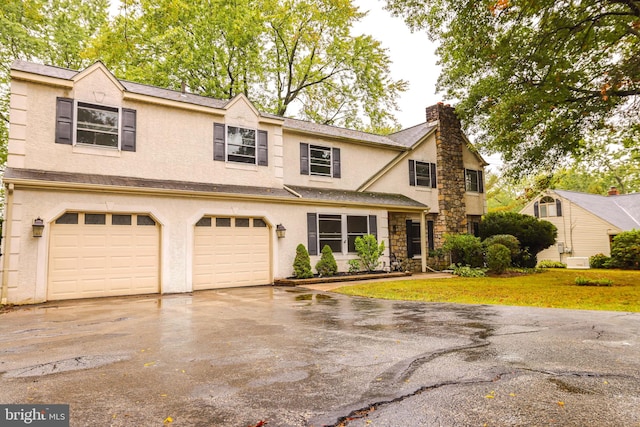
(294, 357)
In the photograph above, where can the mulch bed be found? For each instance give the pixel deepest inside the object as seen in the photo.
(340, 277)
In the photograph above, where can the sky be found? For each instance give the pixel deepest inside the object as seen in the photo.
(413, 56)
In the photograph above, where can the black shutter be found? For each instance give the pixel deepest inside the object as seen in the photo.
(409, 239)
(263, 148)
(536, 210)
(434, 182)
(412, 172)
(480, 182)
(64, 121)
(373, 225)
(558, 207)
(336, 162)
(430, 239)
(304, 159)
(128, 130)
(312, 234)
(218, 142)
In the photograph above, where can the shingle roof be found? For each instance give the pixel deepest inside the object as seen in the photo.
(364, 197)
(399, 140)
(623, 210)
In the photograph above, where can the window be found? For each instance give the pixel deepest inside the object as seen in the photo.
(95, 219)
(240, 145)
(145, 220)
(120, 219)
(336, 230)
(95, 125)
(319, 161)
(258, 222)
(547, 207)
(242, 222)
(473, 181)
(223, 222)
(422, 174)
(68, 218)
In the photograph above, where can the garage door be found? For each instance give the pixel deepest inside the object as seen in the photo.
(231, 252)
(103, 254)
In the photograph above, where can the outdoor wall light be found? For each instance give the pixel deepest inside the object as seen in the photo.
(38, 227)
(280, 230)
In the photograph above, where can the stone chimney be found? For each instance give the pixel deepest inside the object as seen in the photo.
(452, 217)
(613, 191)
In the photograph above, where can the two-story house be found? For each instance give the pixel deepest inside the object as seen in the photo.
(117, 188)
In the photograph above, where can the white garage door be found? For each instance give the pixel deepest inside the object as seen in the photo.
(103, 254)
(231, 252)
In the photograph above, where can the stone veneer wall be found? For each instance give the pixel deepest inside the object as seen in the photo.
(398, 238)
(450, 173)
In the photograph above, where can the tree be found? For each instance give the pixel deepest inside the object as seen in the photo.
(295, 57)
(533, 234)
(326, 265)
(302, 263)
(537, 80)
(369, 251)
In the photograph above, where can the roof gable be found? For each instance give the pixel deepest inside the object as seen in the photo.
(98, 67)
(622, 211)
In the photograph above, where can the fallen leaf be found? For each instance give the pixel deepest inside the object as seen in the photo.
(512, 394)
(163, 395)
(560, 403)
(168, 420)
(150, 363)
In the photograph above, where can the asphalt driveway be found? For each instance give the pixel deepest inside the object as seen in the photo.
(296, 357)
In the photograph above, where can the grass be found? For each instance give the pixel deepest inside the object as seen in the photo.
(552, 288)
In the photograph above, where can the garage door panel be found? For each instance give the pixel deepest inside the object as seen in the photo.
(103, 260)
(231, 256)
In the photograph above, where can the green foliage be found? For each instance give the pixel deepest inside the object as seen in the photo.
(511, 242)
(465, 249)
(547, 263)
(369, 251)
(498, 258)
(466, 271)
(326, 265)
(625, 250)
(600, 261)
(584, 281)
(354, 266)
(302, 263)
(533, 234)
(536, 80)
(279, 53)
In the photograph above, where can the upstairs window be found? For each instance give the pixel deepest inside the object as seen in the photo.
(96, 125)
(318, 160)
(547, 207)
(240, 145)
(473, 181)
(422, 174)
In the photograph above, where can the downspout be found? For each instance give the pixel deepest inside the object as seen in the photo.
(6, 250)
(423, 239)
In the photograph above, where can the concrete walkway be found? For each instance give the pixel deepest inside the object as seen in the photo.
(416, 276)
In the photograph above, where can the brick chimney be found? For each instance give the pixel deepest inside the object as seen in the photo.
(452, 217)
(613, 191)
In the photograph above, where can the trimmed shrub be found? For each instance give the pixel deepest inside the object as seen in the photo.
(327, 265)
(354, 265)
(302, 263)
(547, 263)
(465, 249)
(625, 250)
(466, 271)
(533, 234)
(498, 258)
(369, 251)
(511, 242)
(599, 261)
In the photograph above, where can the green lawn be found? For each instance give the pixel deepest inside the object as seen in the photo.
(551, 288)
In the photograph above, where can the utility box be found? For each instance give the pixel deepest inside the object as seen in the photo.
(578, 262)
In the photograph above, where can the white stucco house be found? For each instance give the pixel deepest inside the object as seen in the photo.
(118, 188)
(587, 223)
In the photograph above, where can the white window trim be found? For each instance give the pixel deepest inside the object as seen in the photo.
(95, 148)
(344, 234)
(226, 146)
(323, 147)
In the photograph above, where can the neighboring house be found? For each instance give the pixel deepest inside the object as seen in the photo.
(147, 190)
(586, 222)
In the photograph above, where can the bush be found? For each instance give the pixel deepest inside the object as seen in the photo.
(625, 250)
(498, 258)
(466, 271)
(511, 242)
(599, 261)
(547, 263)
(327, 265)
(354, 266)
(369, 251)
(533, 234)
(465, 249)
(583, 281)
(302, 263)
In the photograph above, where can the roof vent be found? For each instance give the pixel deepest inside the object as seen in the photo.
(613, 191)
